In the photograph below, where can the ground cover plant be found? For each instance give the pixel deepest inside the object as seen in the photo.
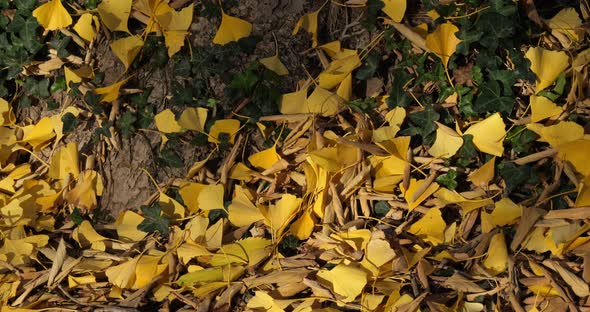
(352, 155)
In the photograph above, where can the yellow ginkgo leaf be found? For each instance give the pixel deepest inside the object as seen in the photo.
(115, 14)
(379, 252)
(497, 259)
(506, 212)
(52, 15)
(65, 162)
(170, 207)
(87, 26)
(542, 107)
(303, 227)
(126, 226)
(309, 22)
(431, 227)
(86, 235)
(443, 41)
(148, 268)
(565, 26)
(265, 159)
(575, 152)
(277, 216)
(126, 49)
(175, 25)
(323, 102)
(395, 9)
(345, 88)
(294, 102)
(558, 134)
(488, 135)
(347, 280)
(484, 174)
(241, 211)
(416, 194)
(88, 186)
(189, 193)
(396, 116)
(231, 29)
(166, 122)
(211, 197)
(547, 65)
(447, 142)
(274, 63)
(77, 75)
(123, 275)
(193, 118)
(385, 133)
(40, 133)
(110, 93)
(228, 126)
(337, 70)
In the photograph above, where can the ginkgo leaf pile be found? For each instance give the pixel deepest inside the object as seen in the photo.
(338, 209)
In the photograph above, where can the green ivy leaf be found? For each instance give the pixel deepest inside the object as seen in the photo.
(467, 152)
(397, 95)
(69, 122)
(515, 176)
(381, 209)
(125, 123)
(169, 158)
(154, 220)
(369, 67)
(449, 179)
(490, 99)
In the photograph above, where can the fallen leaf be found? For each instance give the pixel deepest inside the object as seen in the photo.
(309, 22)
(395, 9)
(542, 107)
(274, 64)
(484, 174)
(347, 280)
(497, 259)
(87, 26)
(115, 14)
(447, 142)
(430, 228)
(231, 29)
(166, 122)
(488, 135)
(547, 65)
(241, 211)
(228, 126)
(193, 118)
(110, 93)
(211, 197)
(126, 49)
(443, 41)
(52, 15)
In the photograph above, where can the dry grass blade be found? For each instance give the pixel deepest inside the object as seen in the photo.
(58, 261)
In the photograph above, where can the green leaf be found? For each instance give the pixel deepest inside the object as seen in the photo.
(449, 179)
(169, 158)
(25, 5)
(490, 99)
(125, 123)
(154, 220)
(76, 216)
(58, 85)
(69, 122)
(38, 88)
(397, 95)
(515, 176)
(521, 139)
(369, 67)
(467, 152)
(424, 120)
(381, 209)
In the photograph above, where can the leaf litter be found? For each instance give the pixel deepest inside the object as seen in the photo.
(401, 208)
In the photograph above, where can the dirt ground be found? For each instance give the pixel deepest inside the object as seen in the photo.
(126, 185)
